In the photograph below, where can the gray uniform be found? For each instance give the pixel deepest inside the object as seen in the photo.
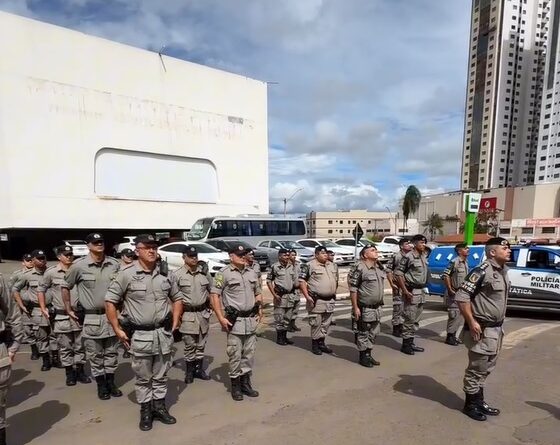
(92, 280)
(28, 330)
(238, 289)
(145, 298)
(10, 318)
(456, 270)
(284, 281)
(298, 293)
(414, 267)
(369, 283)
(27, 285)
(398, 318)
(486, 287)
(322, 282)
(194, 291)
(67, 331)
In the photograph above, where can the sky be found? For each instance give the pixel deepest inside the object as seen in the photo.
(368, 95)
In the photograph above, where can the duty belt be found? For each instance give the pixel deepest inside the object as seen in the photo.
(60, 312)
(199, 308)
(94, 311)
(250, 313)
(283, 291)
(370, 306)
(415, 286)
(322, 297)
(486, 324)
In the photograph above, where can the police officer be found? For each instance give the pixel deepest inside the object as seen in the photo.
(281, 282)
(11, 336)
(91, 275)
(292, 327)
(405, 246)
(453, 276)
(318, 282)
(412, 276)
(28, 282)
(193, 321)
(127, 257)
(250, 259)
(237, 301)
(145, 327)
(28, 333)
(366, 281)
(482, 299)
(68, 332)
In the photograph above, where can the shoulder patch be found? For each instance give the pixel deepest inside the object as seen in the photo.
(219, 280)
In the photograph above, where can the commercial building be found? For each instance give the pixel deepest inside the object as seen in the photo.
(508, 51)
(97, 135)
(340, 224)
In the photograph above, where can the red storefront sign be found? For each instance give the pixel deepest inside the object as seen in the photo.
(550, 222)
(488, 204)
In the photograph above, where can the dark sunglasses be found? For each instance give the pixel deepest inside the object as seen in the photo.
(97, 243)
(67, 254)
(41, 258)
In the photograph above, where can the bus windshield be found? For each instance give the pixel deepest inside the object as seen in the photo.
(200, 229)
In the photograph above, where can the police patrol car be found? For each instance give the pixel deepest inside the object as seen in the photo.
(534, 273)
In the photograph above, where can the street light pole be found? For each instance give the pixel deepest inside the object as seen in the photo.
(285, 200)
(393, 219)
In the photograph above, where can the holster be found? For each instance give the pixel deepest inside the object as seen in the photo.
(52, 313)
(80, 313)
(29, 306)
(361, 325)
(127, 326)
(231, 314)
(6, 337)
(280, 290)
(163, 268)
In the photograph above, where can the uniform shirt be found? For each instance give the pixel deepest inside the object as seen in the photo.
(486, 287)
(10, 318)
(394, 263)
(27, 284)
(91, 280)
(257, 269)
(283, 276)
(51, 285)
(14, 276)
(368, 282)
(322, 279)
(192, 287)
(145, 295)
(414, 268)
(456, 270)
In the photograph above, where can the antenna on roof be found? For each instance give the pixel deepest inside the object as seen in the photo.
(160, 54)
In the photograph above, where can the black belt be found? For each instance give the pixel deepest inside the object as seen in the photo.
(94, 311)
(282, 291)
(369, 306)
(249, 313)
(199, 308)
(322, 297)
(149, 327)
(415, 286)
(60, 312)
(485, 324)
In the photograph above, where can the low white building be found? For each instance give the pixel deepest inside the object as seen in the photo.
(99, 135)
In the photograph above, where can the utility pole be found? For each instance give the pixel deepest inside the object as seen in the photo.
(285, 200)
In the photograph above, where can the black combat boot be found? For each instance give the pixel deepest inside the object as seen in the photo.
(3, 436)
(371, 359)
(236, 393)
(70, 376)
(34, 352)
(146, 417)
(397, 330)
(46, 362)
(55, 357)
(406, 347)
(364, 361)
(246, 387)
(102, 390)
(113, 390)
(323, 347)
(292, 327)
(315, 347)
(416, 348)
(189, 372)
(81, 375)
(472, 409)
(159, 411)
(451, 340)
(290, 342)
(280, 338)
(199, 372)
(484, 407)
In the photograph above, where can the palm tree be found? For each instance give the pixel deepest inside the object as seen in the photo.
(434, 225)
(411, 202)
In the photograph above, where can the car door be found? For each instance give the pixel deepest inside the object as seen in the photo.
(308, 244)
(173, 255)
(535, 279)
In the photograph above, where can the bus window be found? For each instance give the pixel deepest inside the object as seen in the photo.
(277, 228)
(258, 228)
(297, 228)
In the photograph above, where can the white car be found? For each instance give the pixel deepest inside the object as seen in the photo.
(343, 255)
(172, 253)
(385, 253)
(79, 247)
(127, 242)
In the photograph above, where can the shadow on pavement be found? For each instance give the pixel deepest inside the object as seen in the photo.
(33, 423)
(124, 374)
(554, 410)
(220, 374)
(428, 388)
(22, 391)
(18, 374)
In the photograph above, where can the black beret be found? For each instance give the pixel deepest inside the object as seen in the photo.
(497, 241)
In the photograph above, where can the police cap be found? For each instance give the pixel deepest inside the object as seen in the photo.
(127, 252)
(94, 237)
(365, 248)
(403, 241)
(320, 249)
(27, 257)
(38, 253)
(283, 251)
(238, 249)
(497, 241)
(63, 250)
(460, 246)
(190, 251)
(145, 238)
(418, 238)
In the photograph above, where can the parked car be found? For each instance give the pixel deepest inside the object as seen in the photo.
(343, 255)
(225, 244)
(172, 253)
(271, 247)
(534, 274)
(127, 242)
(385, 252)
(79, 247)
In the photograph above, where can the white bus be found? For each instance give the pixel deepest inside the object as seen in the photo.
(248, 228)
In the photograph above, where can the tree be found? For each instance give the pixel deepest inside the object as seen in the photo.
(434, 225)
(486, 222)
(411, 202)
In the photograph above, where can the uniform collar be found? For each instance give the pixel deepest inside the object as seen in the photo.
(92, 261)
(189, 271)
(374, 266)
(235, 268)
(495, 265)
(138, 270)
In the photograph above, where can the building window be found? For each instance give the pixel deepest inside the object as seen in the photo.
(330, 221)
(329, 231)
(549, 230)
(526, 230)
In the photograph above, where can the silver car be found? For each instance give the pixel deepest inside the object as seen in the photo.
(273, 246)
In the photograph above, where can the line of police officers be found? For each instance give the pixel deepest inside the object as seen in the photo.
(91, 304)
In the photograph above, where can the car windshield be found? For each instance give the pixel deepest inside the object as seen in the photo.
(199, 229)
(235, 242)
(327, 243)
(205, 248)
(291, 245)
(76, 242)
